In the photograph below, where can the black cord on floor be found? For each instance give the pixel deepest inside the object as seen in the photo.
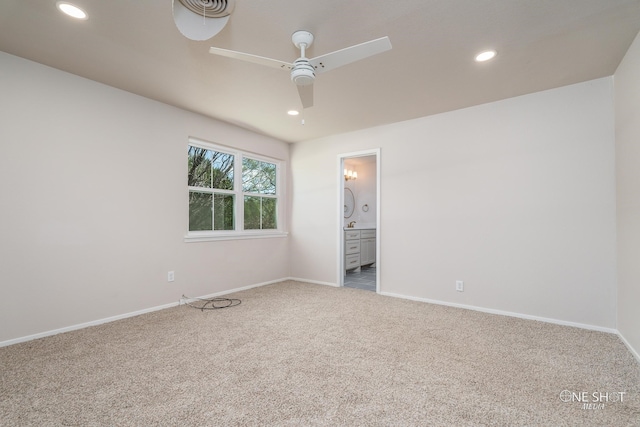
(211, 303)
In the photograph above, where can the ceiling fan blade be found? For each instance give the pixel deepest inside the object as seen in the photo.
(306, 95)
(351, 54)
(273, 63)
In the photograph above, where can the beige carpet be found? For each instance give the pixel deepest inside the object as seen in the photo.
(296, 354)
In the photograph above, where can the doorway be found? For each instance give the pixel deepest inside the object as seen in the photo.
(359, 220)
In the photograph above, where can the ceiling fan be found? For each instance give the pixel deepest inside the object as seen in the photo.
(303, 70)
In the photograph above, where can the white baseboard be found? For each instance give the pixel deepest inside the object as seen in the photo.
(84, 325)
(314, 282)
(230, 291)
(484, 310)
(505, 313)
(125, 315)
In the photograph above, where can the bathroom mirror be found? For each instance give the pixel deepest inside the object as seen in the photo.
(349, 203)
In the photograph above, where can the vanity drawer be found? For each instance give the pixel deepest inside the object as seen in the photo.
(351, 234)
(366, 234)
(351, 261)
(352, 247)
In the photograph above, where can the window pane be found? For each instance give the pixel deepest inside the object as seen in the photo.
(258, 177)
(260, 213)
(223, 212)
(199, 167)
(269, 214)
(252, 213)
(210, 169)
(222, 171)
(200, 215)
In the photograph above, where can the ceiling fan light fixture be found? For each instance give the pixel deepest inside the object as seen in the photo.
(71, 10)
(302, 74)
(486, 55)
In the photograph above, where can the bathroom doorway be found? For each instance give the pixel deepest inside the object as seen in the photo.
(359, 220)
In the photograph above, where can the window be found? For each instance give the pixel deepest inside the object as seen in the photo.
(226, 185)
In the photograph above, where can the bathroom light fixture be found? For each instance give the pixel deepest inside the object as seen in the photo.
(349, 175)
(71, 10)
(486, 55)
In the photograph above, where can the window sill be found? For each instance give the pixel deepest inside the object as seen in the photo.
(236, 235)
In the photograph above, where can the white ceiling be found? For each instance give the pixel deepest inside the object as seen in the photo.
(134, 45)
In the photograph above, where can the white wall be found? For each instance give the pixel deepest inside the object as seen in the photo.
(94, 204)
(516, 198)
(627, 107)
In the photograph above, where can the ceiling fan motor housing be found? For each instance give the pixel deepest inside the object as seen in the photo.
(302, 73)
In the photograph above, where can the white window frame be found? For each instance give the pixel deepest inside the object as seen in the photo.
(239, 232)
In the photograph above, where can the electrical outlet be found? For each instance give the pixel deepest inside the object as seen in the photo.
(459, 286)
(171, 276)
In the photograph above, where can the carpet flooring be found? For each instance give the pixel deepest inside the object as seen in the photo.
(295, 354)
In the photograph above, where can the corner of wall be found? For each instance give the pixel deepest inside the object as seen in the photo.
(627, 149)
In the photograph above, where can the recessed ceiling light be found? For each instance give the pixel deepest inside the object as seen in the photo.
(71, 10)
(293, 112)
(486, 55)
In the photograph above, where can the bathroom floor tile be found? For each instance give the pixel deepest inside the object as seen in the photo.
(364, 278)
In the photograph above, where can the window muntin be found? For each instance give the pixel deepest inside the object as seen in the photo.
(218, 195)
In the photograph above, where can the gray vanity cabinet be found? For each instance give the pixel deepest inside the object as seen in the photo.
(351, 249)
(359, 248)
(367, 247)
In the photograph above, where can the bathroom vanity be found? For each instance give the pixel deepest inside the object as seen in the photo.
(359, 247)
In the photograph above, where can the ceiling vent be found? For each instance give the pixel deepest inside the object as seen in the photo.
(201, 19)
(209, 8)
